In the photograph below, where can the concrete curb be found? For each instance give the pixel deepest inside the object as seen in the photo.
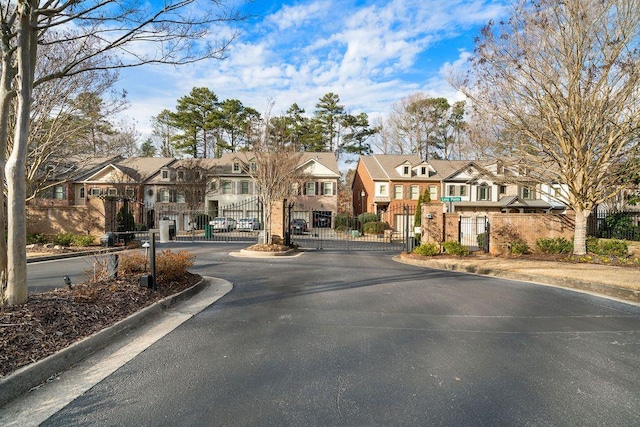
(34, 374)
(264, 254)
(621, 293)
(51, 257)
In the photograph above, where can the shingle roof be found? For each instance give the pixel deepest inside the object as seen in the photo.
(142, 168)
(383, 167)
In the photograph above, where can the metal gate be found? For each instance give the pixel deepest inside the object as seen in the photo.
(243, 222)
(474, 232)
(325, 230)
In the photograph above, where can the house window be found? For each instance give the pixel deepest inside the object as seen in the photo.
(397, 192)
(236, 167)
(327, 188)
(129, 192)
(383, 190)
(433, 193)
(463, 190)
(165, 175)
(528, 193)
(59, 192)
(484, 192)
(112, 192)
(452, 190)
(82, 192)
(181, 175)
(164, 196)
(423, 170)
(254, 166)
(502, 189)
(180, 197)
(415, 192)
(310, 188)
(405, 170)
(226, 188)
(244, 187)
(197, 175)
(95, 191)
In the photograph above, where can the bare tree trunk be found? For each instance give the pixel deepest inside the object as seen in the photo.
(580, 236)
(16, 292)
(6, 96)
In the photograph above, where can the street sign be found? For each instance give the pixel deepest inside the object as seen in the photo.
(450, 199)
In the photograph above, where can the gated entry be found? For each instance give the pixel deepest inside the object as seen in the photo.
(473, 232)
(195, 225)
(342, 232)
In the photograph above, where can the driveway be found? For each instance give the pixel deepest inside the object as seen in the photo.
(348, 338)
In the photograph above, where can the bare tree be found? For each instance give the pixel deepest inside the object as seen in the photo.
(173, 33)
(276, 168)
(562, 80)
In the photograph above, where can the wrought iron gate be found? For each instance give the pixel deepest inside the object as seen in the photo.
(324, 230)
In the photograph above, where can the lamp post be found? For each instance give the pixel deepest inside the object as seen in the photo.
(362, 194)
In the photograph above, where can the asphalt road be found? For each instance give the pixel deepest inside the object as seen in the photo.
(354, 338)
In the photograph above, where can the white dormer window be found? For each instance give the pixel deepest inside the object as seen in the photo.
(180, 175)
(405, 170)
(236, 167)
(254, 166)
(165, 175)
(423, 170)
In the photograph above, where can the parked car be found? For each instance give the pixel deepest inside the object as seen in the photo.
(248, 224)
(223, 224)
(298, 226)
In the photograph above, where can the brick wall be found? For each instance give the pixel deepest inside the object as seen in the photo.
(503, 227)
(87, 219)
(528, 227)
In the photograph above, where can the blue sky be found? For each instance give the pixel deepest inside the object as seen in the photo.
(372, 53)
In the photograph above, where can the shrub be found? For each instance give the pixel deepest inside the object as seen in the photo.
(83, 240)
(613, 247)
(376, 227)
(36, 238)
(132, 263)
(519, 247)
(558, 245)
(427, 249)
(367, 217)
(455, 248)
(63, 239)
(343, 222)
(170, 266)
(482, 240)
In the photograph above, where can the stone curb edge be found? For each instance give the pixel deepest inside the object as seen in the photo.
(34, 374)
(625, 294)
(51, 257)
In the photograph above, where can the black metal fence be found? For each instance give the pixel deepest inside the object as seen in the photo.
(614, 225)
(389, 230)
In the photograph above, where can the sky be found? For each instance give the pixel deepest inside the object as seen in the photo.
(371, 53)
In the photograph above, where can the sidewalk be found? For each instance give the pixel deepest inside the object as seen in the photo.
(617, 282)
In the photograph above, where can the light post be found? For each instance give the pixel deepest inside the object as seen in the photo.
(362, 194)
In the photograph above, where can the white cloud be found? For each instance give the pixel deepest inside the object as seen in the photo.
(371, 56)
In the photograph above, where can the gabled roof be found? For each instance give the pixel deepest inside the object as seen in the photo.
(463, 166)
(137, 169)
(508, 202)
(328, 160)
(383, 167)
(77, 167)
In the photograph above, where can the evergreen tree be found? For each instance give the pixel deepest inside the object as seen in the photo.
(197, 115)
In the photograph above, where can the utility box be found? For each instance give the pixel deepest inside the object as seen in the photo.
(146, 281)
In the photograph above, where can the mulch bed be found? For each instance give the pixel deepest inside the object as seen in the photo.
(53, 320)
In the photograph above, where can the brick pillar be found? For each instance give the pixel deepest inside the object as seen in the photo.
(277, 218)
